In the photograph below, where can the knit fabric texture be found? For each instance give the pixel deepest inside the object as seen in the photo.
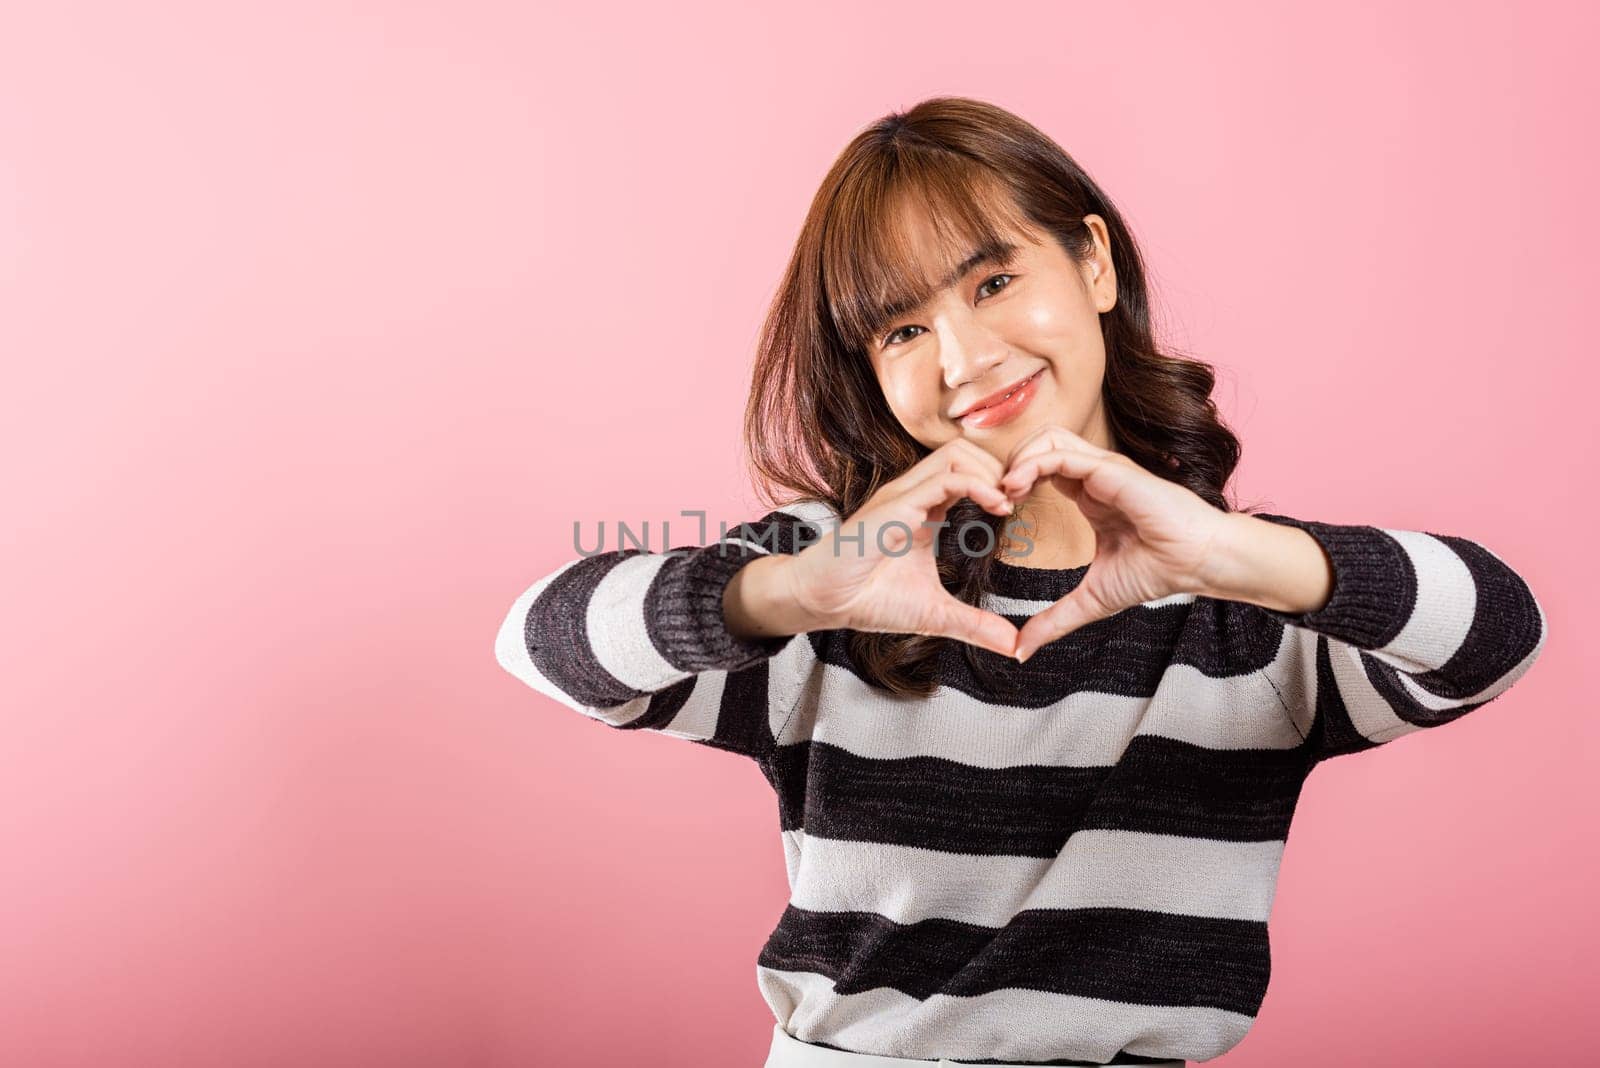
(1079, 870)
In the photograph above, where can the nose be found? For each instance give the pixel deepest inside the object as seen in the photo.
(967, 351)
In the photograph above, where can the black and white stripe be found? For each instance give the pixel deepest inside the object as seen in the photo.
(1420, 630)
(637, 640)
(1081, 871)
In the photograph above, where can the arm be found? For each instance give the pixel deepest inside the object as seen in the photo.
(1393, 631)
(642, 641)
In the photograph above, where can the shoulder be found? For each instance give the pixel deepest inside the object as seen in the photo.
(808, 510)
(794, 525)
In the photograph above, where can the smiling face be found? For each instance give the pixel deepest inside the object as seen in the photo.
(1026, 317)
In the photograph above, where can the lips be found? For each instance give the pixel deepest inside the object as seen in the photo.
(995, 398)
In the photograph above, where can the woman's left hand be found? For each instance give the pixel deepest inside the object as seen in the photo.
(1153, 538)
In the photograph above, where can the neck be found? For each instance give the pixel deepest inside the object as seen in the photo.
(1061, 536)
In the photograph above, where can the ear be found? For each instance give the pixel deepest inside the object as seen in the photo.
(1100, 272)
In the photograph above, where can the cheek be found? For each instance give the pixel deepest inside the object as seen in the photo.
(1060, 315)
(1044, 317)
(1067, 327)
(903, 395)
(913, 398)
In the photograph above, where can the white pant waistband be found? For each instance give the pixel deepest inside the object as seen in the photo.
(790, 1052)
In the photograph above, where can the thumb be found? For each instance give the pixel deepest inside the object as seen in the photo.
(1075, 610)
(977, 626)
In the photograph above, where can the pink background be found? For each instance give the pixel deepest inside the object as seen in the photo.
(323, 323)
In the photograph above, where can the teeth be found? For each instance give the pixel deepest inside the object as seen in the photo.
(1003, 399)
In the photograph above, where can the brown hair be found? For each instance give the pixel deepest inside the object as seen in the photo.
(817, 424)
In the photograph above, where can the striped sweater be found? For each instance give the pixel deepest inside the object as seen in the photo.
(1074, 876)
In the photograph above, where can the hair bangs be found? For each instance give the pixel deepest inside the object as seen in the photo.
(909, 231)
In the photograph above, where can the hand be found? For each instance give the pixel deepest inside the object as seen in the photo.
(881, 584)
(1153, 538)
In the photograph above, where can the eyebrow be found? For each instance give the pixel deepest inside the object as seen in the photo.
(998, 253)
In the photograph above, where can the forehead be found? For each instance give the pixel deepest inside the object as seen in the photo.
(898, 252)
(948, 254)
(947, 263)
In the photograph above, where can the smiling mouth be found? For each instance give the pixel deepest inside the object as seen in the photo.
(1006, 408)
(1003, 397)
(997, 401)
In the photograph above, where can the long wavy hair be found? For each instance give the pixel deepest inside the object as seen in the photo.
(817, 424)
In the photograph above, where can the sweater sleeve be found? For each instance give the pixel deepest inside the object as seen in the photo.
(1418, 630)
(637, 640)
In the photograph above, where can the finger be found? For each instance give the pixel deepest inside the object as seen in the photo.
(942, 487)
(970, 459)
(894, 494)
(1066, 438)
(1019, 478)
(1055, 438)
(910, 517)
(1048, 438)
(1029, 444)
(959, 454)
(983, 461)
(1075, 610)
(1016, 482)
(1060, 441)
(1100, 475)
(978, 626)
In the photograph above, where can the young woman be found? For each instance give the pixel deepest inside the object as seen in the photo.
(1036, 701)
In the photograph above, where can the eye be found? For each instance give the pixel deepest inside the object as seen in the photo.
(888, 339)
(1007, 277)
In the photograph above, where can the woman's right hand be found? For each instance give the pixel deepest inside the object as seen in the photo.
(862, 585)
